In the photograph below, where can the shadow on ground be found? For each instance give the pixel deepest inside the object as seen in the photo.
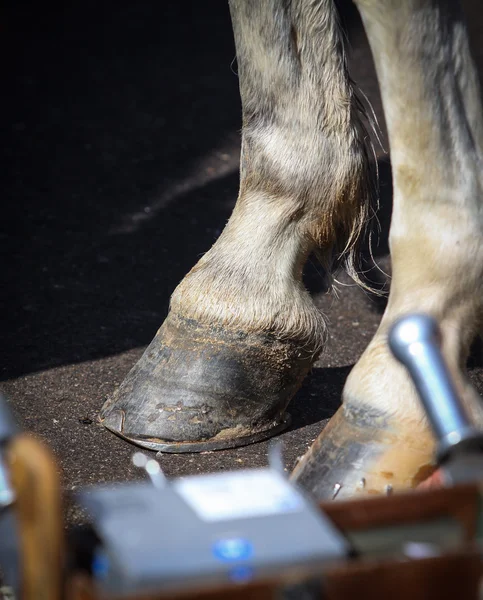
(119, 158)
(307, 408)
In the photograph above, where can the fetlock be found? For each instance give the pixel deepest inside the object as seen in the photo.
(380, 440)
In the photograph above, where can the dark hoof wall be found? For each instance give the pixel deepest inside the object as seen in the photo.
(361, 452)
(213, 444)
(200, 388)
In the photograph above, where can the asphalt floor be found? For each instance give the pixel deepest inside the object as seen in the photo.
(119, 156)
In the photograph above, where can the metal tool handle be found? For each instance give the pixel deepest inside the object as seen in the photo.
(8, 427)
(415, 341)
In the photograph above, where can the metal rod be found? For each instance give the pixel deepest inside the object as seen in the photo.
(415, 341)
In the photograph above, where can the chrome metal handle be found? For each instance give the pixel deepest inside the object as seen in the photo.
(8, 429)
(415, 341)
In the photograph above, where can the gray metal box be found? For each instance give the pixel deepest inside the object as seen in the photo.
(205, 529)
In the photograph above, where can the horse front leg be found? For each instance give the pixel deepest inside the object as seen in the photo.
(242, 331)
(379, 439)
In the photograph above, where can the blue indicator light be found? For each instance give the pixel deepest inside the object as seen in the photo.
(233, 549)
(100, 565)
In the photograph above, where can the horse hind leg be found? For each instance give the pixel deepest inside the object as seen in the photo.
(380, 436)
(242, 331)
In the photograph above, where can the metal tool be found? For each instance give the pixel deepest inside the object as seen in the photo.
(8, 429)
(151, 467)
(9, 550)
(415, 340)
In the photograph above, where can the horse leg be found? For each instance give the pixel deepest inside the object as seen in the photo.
(380, 436)
(242, 331)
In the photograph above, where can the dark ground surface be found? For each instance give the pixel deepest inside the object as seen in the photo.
(119, 169)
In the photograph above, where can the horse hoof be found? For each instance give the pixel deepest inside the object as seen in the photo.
(200, 388)
(362, 452)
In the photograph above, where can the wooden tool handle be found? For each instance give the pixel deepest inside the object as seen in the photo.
(38, 509)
